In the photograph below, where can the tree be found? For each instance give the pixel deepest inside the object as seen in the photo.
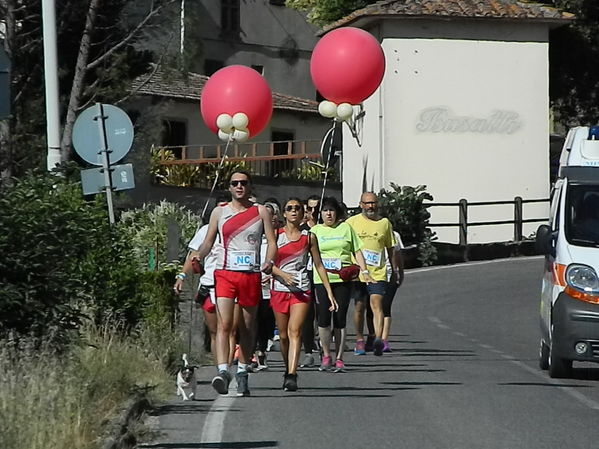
(109, 52)
(573, 74)
(323, 12)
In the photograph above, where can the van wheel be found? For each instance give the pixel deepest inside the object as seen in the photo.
(543, 355)
(558, 367)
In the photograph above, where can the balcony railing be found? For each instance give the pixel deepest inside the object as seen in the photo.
(293, 159)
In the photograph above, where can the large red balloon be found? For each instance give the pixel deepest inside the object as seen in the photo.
(347, 65)
(234, 89)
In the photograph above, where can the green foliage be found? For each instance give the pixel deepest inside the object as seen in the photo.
(573, 75)
(322, 12)
(146, 230)
(60, 261)
(187, 175)
(405, 208)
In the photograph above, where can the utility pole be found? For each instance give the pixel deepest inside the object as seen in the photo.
(51, 79)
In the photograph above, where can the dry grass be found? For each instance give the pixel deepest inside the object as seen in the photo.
(57, 401)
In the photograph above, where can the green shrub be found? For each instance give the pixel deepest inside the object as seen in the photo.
(405, 208)
(60, 260)
(146, 230)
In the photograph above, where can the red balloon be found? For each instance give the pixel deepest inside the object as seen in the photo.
(234, 89)
(347, 65)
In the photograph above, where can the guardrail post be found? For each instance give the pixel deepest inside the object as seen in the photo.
(463, 219)
(517, 219)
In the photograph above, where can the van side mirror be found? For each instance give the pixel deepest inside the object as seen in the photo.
(544, 241)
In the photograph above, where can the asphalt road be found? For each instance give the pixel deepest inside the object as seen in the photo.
(463, 374)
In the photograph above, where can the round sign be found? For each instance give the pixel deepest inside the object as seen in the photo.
(88, 141)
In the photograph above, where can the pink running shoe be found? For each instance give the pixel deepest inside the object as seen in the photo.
(386, 347)
(339, 366)
(326, 363)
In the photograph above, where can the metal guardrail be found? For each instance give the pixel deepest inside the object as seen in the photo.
(464, 224)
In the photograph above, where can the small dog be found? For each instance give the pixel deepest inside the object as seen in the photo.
(186, 378)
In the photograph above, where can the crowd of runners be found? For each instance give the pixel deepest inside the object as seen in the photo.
(293, 270)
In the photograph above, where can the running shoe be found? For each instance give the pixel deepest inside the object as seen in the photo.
(368, 347)
(308, 361)
(220, 382)
(261, 361)
(339, 366)
(360, 348)
(326, 363)
(243, 389)
(290, 383)
(378, 346)
(386, 347)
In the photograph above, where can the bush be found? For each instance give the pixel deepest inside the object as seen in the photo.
(146, 230)
(405, 208)
(60, 260)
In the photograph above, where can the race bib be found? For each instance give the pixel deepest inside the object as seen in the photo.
(372, 258)
(242, 260)
(331, 263)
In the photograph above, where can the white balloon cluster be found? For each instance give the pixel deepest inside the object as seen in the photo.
(328, 109)
(233, 128)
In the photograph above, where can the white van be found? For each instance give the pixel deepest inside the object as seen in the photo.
(570, 242)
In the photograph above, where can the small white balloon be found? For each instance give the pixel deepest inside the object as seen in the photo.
(240, 135)
(240, 121)
(224, 122)
(327, 109)
(345, 111)
(224, 136)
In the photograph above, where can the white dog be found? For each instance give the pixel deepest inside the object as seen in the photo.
(186, 378)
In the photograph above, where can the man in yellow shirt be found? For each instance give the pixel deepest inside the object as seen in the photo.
(379, 242)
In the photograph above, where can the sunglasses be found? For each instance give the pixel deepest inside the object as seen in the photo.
(311, 208)
(236, 182)
(293, 207)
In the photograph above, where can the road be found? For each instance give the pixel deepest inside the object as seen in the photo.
(463, 374)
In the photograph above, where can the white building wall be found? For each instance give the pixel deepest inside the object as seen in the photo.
(466, 115)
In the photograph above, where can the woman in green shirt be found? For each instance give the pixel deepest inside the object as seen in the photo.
(337, 242)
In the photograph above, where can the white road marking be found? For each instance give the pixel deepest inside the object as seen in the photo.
(468, 264)
(212, 432)
(540, 374)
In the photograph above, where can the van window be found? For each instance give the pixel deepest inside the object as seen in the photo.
(582, 215)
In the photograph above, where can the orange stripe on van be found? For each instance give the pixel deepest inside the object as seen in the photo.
(559, 274)
(586, 297)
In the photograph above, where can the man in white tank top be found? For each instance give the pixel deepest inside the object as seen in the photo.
(240, 225)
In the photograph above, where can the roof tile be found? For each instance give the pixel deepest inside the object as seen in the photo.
(173, 84)
(497, 9)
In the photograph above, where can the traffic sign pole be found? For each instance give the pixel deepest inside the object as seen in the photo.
(105, 160)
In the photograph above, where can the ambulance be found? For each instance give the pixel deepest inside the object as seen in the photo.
(570, 242)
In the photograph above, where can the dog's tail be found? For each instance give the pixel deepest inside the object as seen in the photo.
(185, 362)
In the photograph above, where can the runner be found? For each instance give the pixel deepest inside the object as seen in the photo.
(206, 296)
(312, 212)
(290, 296)
(395, 278)
(265, 318)
(379, 242)
(240, 225)
(338, 243)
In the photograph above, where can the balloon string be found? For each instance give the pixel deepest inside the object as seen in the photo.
(217, 175)
(330, 132)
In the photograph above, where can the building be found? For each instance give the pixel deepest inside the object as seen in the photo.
(463, 108)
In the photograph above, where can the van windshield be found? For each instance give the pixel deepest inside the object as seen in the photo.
(582, 215)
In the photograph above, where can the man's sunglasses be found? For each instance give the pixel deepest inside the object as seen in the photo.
(293, 207)
(236, 182)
